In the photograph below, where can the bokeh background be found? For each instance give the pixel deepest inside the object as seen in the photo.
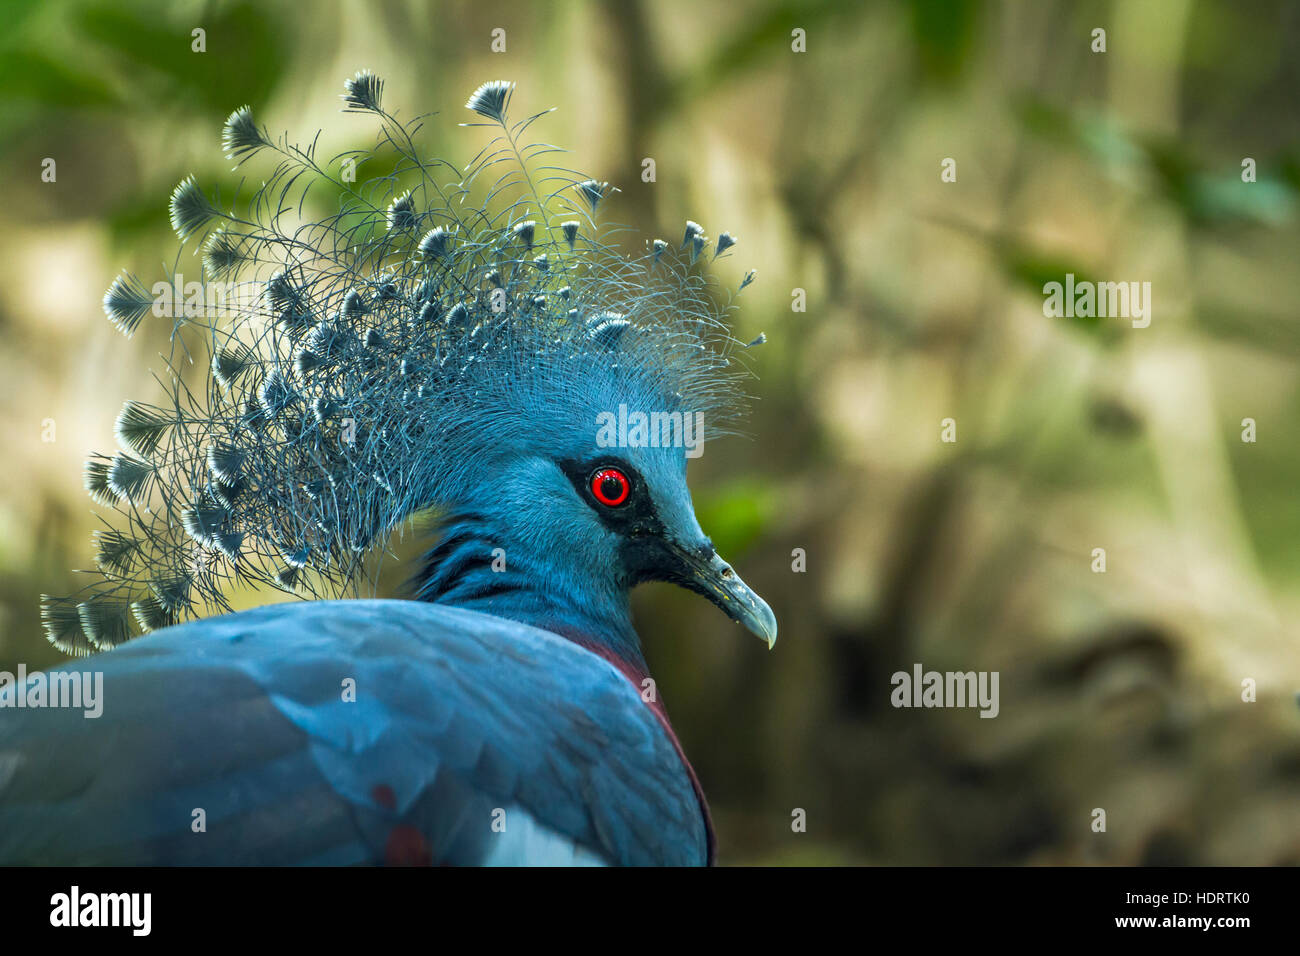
(1120, 690)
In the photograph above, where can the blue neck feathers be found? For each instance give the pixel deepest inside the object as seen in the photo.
(477, 566)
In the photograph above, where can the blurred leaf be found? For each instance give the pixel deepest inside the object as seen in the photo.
(1289, 164)
(736, 515)
(1205, 198)
(1100, 135)
(38, 78)
(246, 51)
(943, 32)
(140, 215)
(1222, 199)
(754, 43)
(1265, 477)
(1030, 269)
(13, 15)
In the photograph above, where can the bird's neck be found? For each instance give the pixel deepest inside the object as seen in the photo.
(478, 566)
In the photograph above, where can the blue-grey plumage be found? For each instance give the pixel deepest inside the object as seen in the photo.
(471, 738)
(427, 350)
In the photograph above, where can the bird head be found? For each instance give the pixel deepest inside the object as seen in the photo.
(595, 521)
(468, 341)
(582, 481)
(648, 529)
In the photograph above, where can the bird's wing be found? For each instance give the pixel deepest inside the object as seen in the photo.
(338, 732)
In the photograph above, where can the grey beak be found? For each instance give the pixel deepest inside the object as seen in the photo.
(716, 580)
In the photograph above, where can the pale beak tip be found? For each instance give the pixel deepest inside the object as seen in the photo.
(765, 625)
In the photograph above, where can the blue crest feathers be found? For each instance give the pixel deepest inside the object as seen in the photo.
(375, 362)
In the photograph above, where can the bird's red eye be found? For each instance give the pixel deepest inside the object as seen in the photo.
(611, 487)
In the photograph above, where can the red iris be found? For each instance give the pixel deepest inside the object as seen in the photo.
(611, 487)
